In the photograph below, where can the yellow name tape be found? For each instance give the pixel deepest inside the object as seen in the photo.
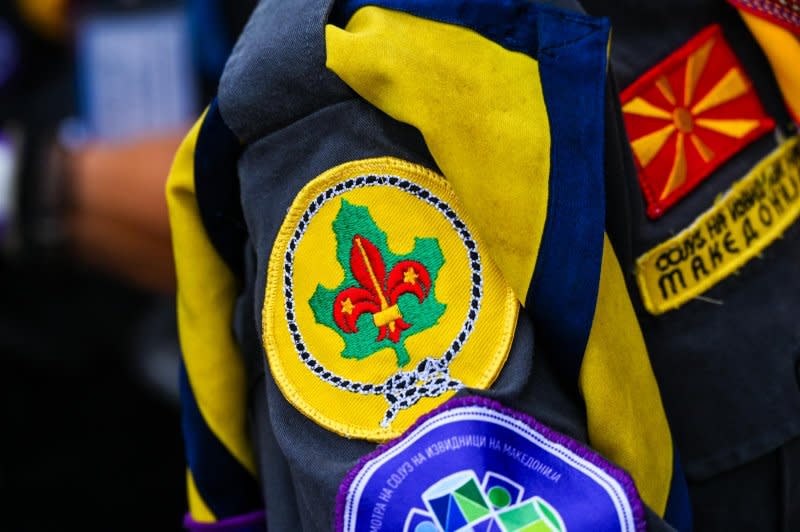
(744, 221)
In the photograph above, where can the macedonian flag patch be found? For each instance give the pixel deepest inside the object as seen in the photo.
(688, 115)
(379, 302)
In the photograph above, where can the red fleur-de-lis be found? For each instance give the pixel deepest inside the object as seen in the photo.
(379, 292)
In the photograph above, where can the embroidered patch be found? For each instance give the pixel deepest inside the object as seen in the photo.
(687, 116)
(369, 289)
(749, 217)
(379, 303)
(784, 13)
(474, 465)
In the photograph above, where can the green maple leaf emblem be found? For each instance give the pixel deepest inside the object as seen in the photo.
(384, 298)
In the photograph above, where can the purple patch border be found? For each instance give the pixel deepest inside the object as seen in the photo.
(618, 474)
(229, 524)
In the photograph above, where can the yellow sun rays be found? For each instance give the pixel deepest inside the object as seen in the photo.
(704, 151)
(640, 106)
(677, 175)
(648, 146)
(695, 65)
(730, 86)
(663, 85)
(737, 128)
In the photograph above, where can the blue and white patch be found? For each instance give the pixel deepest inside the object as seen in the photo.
(474, 465)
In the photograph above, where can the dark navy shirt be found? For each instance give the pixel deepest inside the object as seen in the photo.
(727, 362)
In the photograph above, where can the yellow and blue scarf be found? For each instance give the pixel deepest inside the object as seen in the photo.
(527, 138)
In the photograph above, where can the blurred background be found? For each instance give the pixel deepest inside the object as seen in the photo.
(95, 97)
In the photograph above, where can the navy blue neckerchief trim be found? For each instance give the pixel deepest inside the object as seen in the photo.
(217, 188)
(571, 51)
(678, 512)
(226, 487)
(511, 23)
(620, 174)
(563, 292)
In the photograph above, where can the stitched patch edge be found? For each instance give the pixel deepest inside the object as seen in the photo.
(387, 166)
(717, 224)
(490, 407)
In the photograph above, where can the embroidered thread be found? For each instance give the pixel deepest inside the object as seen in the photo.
(475, 464)
(362, 251)
(687, 116)
(406, 218)
(749, 217)
(431, 377)
(461, 499)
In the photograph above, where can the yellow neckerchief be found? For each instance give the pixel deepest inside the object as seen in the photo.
(782, 48)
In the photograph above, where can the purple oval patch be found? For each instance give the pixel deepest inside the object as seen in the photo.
(474, 465)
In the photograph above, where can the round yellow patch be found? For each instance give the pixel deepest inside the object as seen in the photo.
(379, 304)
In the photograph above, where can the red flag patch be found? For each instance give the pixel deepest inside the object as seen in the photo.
(688, 115)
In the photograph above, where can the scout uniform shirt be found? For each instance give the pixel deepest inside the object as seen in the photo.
(713, 204)
(398, 305)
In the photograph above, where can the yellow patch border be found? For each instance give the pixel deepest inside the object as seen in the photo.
(736, 225)
(386, 166)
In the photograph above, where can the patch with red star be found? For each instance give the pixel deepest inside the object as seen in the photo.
(688, 115)
(380, 302)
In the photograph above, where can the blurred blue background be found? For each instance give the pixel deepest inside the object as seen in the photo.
(94, 97)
